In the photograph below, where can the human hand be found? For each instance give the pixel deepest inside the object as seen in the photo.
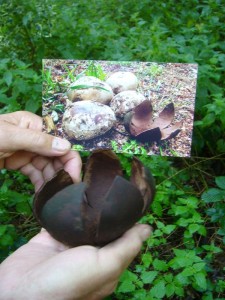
(46, 269)
(36, 154)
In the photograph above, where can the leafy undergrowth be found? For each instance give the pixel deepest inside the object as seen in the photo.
(184, 257)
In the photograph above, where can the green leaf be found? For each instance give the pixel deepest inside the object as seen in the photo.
(179, 290)
(168, 229)
(193, 228)
(200, 279)
(160, 265)
(126, 287)
(32, 105)
(180, 210)
(170, 289)
(8, 77)
(148, 276)
(199, 266)
(202, 230)
(213, 195)
(208, 120)
(147, 259)
(159, 290)
(127, 282)
(182, 280)
(85, 86)
(24, 208)
(6, 240)
(220, 181)
(157, 208)
(189, 271)
(3, 229)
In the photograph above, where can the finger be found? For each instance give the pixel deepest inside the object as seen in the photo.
(35, 175)
(43, 173)
(105, 290)
(17, 138)
(119, 254)
(18, 159)
(23, 119)
(45, 165)
(72, 164)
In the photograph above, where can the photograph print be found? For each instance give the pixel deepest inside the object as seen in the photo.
(129, 107)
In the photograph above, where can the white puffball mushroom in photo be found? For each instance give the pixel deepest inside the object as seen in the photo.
(125, 102)
(91, 88)
(122, 81)
(87, 119)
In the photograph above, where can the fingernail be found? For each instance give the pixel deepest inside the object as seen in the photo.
(146, 232)
(60, 144)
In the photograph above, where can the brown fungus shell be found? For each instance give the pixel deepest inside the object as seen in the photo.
(100, 208)
(140, 124)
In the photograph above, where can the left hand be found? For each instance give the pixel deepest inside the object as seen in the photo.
(36, 154)
(46, 269)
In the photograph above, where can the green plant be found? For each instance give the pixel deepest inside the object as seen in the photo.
(94, 69)
(17, 224)
(187, 214)
(20, 86)
(215, 197)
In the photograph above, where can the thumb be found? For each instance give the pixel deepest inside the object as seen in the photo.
(16, 138)
(122, 251)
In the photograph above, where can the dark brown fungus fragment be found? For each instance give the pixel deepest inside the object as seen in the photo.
(141, 126)
(100, 208)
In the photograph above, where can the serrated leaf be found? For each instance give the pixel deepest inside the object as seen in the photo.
(179, 291)
(8, 77)
(189, 271)
(24, 208)
(202, 230)
(220, 181)
(170, 289)
(193, 228)
(160, 265)
(159, 290)
(179, 262)
(180, 210)
(127, 282)
(168, 229)
(199, 266)
(148, 277)
(140, 294)
(181, 279)
(126, 287)
(157, 208)
(213, 195)
(200, 279)
(147, 259)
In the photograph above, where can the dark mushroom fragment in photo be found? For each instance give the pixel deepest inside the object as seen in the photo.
(140, 124)
(100, 208)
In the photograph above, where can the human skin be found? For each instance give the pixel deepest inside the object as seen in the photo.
(45, 268)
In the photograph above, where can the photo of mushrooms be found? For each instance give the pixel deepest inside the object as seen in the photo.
(129, 107)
